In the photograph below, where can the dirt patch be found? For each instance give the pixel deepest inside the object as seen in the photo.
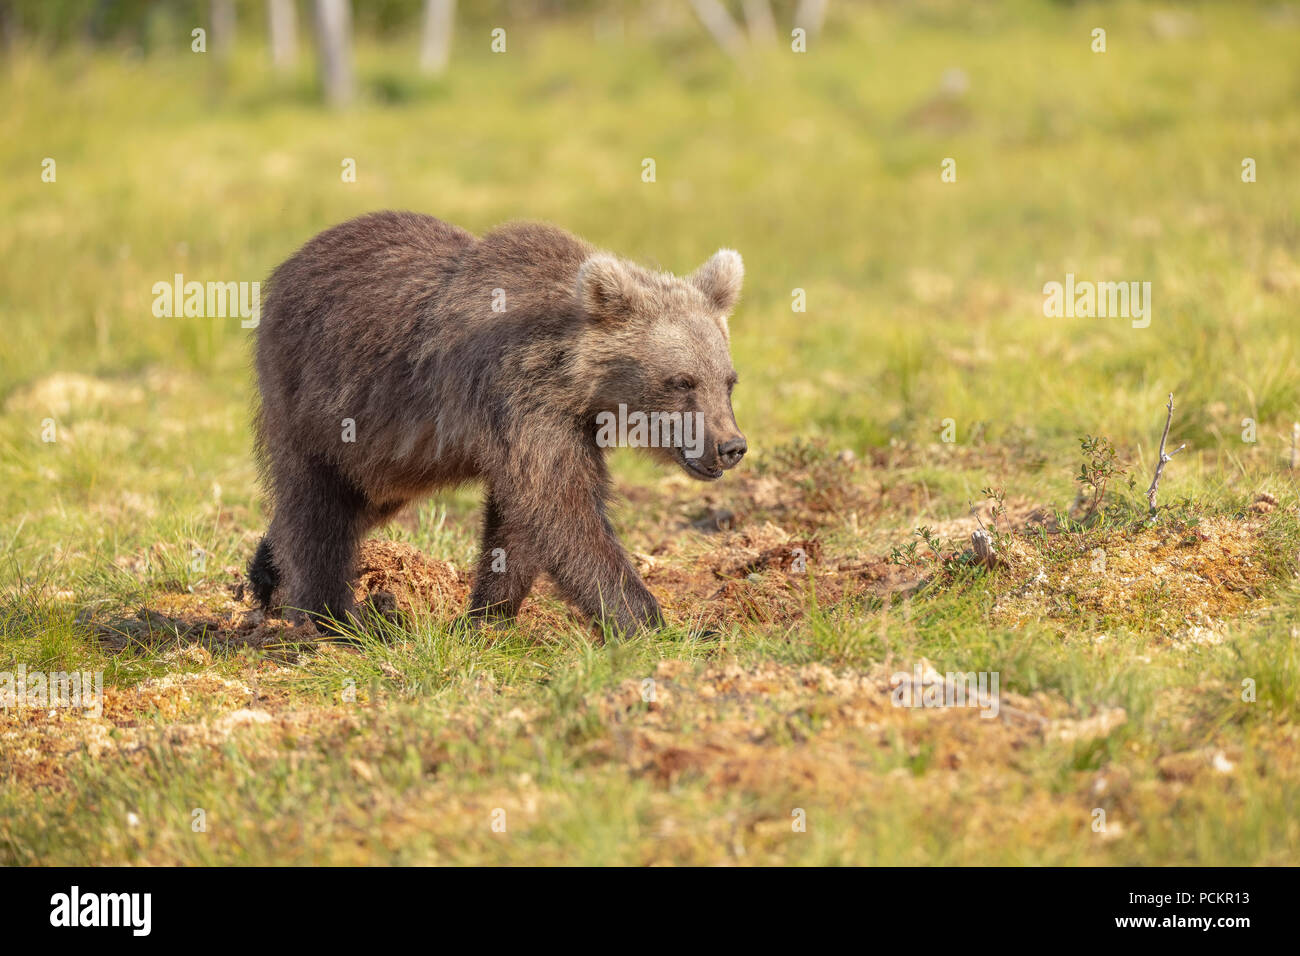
(189, 622)
(767, 575)
(760, 573)
(1163, 578)
(783, 540)
(804, 487)
(795, 727)
(1170, 579)
(416, 581)
(38, 741)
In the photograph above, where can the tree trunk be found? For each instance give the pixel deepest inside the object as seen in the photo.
(758, 19)
(435, 41)
(718, 22)
(810, 15)
(9, 30)
(223, 28)
(283, 23)
(334, 39)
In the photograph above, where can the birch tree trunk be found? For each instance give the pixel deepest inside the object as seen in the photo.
(435, 40)
(222, 13)
(810, 14)
(334, 39)
(9, 30)
(718, 22)
(759, 22)
(283, 26)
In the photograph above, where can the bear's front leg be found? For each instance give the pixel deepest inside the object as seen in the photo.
(564, 521)
(600, 579)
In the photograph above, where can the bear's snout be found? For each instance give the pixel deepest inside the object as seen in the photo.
(730, 452)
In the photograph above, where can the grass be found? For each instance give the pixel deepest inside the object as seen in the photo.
(772, 691)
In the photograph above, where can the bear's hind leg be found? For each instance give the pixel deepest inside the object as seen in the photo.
(318, 520)
(263, 575)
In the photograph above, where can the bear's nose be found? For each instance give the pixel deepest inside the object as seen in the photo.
(731, 452)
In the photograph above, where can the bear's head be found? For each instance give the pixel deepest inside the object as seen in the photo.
(660, 366)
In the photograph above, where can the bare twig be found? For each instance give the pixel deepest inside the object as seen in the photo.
(1164, 459)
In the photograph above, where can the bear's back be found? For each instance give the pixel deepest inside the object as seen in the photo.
(391, 263)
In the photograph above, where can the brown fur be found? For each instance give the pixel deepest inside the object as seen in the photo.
(387, 320)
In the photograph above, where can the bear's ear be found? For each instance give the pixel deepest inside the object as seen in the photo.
(720, 278)
(607, 289)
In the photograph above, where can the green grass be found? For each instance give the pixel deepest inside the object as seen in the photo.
(924, 303)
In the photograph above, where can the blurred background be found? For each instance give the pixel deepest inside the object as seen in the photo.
(143, 139)
(902, 179)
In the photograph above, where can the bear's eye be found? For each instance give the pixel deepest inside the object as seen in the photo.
(683, 383)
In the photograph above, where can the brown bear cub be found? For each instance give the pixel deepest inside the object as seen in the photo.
(397, 354)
